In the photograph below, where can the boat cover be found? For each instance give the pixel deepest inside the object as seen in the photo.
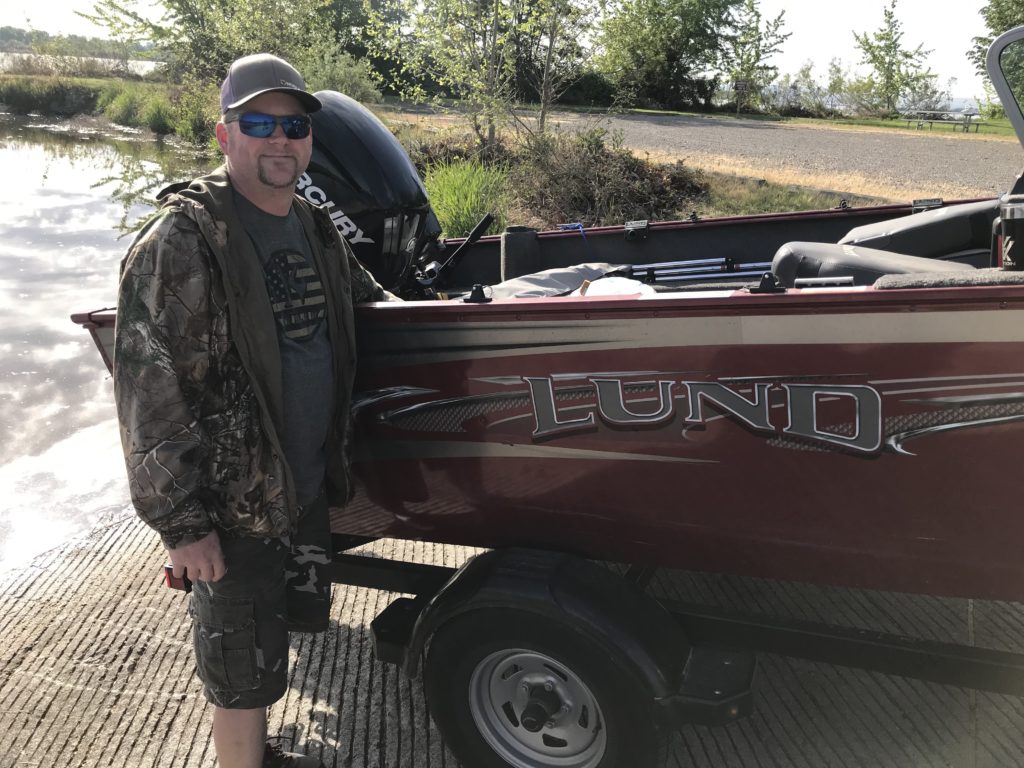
(560, 281)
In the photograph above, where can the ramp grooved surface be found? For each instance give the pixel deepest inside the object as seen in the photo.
(96, 670)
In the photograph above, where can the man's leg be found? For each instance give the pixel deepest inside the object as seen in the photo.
(239, 736)
(240, 637)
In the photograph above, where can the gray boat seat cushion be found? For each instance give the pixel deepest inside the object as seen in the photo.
(864, 265)
(938, 232)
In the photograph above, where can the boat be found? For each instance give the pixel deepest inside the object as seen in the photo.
(832, 397)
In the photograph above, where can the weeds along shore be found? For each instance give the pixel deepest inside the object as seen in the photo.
(536, 179)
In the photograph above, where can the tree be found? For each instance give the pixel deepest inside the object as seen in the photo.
(797, 94)
(351, 19)
(327, 66)
(895, 69)
(750, 48)
(15, 39)
(665, 52)
(1000, 16)
(550, 56)
(200, 38)
(927, 96)
(464, 46)
(836, 85)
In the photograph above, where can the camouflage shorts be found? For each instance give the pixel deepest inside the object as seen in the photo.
(240, 624)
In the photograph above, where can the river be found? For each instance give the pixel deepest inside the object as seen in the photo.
(70, 186)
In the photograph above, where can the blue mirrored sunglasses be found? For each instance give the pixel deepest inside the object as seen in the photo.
(261, 126)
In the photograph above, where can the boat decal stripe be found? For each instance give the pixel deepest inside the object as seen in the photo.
(433, 449)
(461, 341)
(975, 377)
(954, 387)
(1002, 397)
(895, 442)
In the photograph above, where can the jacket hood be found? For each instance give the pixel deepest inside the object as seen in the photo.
(207, 191)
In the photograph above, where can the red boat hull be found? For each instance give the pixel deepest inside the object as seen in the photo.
(857, 437)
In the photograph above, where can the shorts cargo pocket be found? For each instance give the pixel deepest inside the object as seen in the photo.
(224, 634)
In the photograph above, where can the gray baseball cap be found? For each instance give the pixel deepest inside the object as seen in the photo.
(260, 73)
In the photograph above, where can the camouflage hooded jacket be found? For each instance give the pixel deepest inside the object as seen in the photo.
(197, 372)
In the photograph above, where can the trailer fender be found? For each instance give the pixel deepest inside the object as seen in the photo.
(627, 623)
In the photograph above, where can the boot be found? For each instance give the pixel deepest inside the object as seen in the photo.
(275, 757)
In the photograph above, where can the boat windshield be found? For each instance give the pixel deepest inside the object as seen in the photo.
(1005, 64)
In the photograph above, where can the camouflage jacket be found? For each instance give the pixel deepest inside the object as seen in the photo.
(197, 372)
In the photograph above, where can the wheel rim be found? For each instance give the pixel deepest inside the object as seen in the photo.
(502, 688)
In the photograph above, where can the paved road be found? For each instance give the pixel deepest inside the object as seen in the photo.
(904, 164)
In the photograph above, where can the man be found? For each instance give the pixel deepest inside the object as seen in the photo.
(233, 368)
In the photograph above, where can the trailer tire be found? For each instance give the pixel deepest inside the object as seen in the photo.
(514, 688)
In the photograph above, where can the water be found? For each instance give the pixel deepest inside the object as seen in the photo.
(68, 189)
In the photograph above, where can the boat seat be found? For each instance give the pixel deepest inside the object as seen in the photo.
(960, 232)
(864, 265)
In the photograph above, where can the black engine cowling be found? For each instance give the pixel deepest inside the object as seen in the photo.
(364, 178)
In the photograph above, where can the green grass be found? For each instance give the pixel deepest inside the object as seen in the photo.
(999, 127)
(462, 192)
(158, 115)
(48, 94)
(125, 102)
(125, 108)
(158, 106)
(735, 196)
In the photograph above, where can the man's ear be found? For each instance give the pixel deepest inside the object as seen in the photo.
(222, 136)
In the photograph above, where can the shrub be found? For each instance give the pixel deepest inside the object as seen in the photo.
(585, 177)
(429, 149)
(125, 108)
(550, 179)
(593, 89)
(196, 112)
(329, 68)
(110, 91)
(158, 115)
(462, 192)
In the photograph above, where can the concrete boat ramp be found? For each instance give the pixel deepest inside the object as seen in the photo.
(96, 670)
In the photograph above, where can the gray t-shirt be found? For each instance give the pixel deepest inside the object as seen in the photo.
(307, 375)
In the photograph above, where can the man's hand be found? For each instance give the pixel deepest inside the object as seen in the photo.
(201, 560)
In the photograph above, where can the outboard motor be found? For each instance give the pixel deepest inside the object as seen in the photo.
(366, 181)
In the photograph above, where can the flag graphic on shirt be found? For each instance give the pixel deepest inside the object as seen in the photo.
(296, 294)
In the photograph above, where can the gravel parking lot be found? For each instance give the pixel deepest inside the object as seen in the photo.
(896, 164)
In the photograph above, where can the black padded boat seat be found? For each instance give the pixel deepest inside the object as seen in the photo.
(864, 265)
(949, 232)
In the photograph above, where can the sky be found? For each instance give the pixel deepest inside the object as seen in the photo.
(821, 30)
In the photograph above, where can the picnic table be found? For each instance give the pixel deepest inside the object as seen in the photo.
(963, 121)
